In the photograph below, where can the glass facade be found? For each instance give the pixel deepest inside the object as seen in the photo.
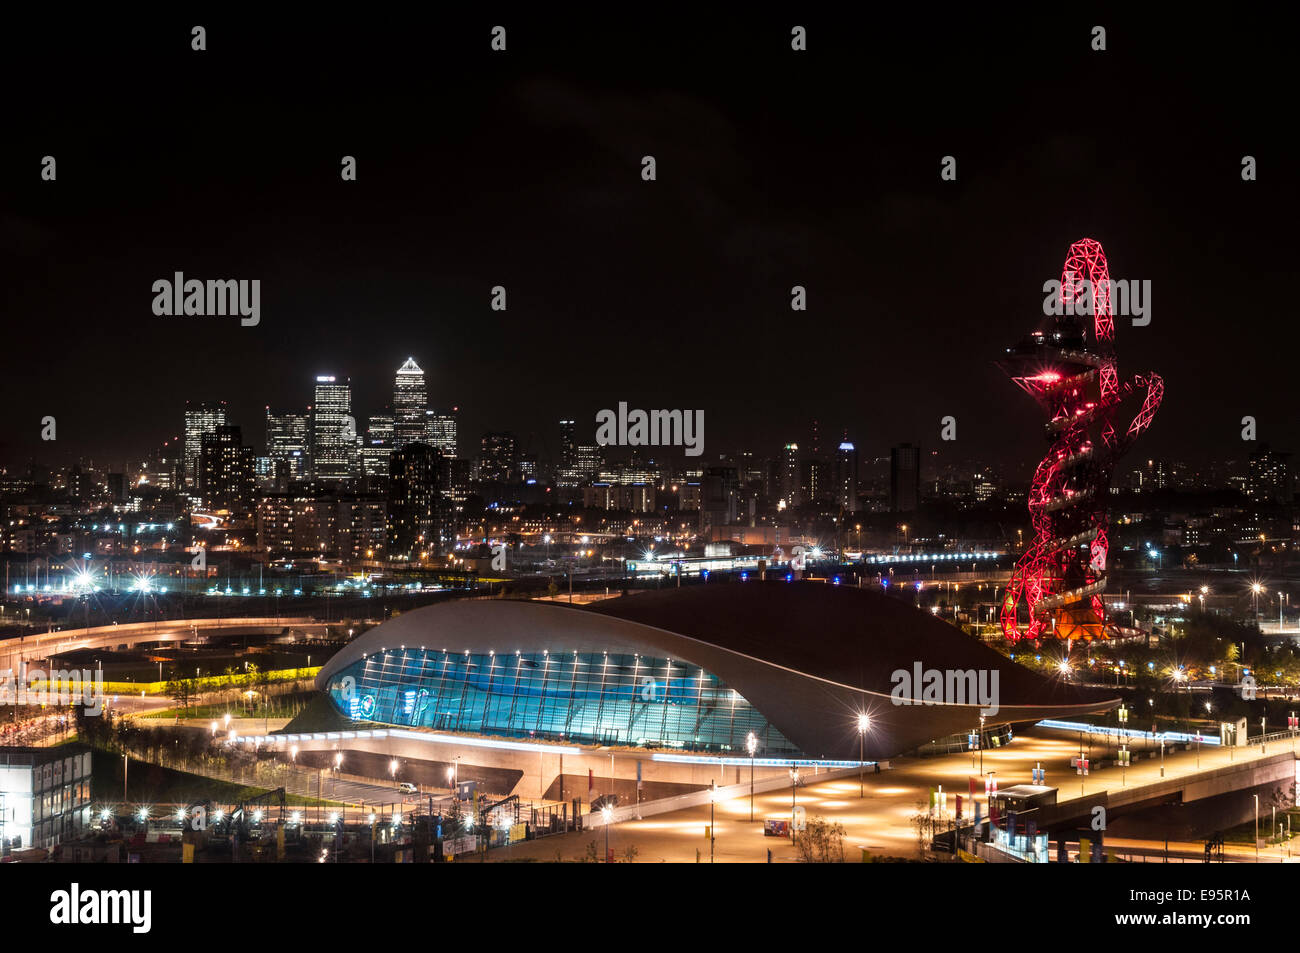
(44, 796)
(592, 698)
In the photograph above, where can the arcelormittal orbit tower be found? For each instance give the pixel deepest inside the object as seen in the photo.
(1070, 369)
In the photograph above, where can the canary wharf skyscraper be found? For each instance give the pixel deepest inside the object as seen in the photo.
(287, 443)
(410, 399)
(440, 430)
(201, 419)
(333, 448)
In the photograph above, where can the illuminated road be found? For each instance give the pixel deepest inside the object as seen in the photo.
(109, 637)
(881, 821)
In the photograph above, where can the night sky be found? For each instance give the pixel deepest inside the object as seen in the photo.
(522, 169)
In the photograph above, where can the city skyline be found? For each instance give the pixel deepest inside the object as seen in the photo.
(914, 284)
(702, 435)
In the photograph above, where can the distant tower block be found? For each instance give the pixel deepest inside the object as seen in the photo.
(1070, 369)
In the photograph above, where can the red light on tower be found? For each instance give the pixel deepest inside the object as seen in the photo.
(1071, 371)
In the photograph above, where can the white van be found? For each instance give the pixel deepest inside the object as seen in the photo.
(406, 787)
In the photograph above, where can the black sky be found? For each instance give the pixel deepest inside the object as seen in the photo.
(521, 169)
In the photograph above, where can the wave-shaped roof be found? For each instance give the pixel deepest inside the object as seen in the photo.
(809, 656)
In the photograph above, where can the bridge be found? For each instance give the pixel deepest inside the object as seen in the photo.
(15, 650)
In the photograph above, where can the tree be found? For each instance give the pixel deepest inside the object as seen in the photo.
(923, 824)
(181, 691)
(821, 842)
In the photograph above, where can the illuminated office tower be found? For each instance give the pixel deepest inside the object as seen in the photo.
(846, 477)
(287, 444)
(226, 474)
(416, 511)
(378, 446)
(497, 458)
(333, 448)
(410, 400)
(201, 419)
(440, 430)
(790, 485)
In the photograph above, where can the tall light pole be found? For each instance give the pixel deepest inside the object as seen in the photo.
(607, 813)
(751, 745)
(794, 784)
(864, 722)
(1256, 797)
(713, 830)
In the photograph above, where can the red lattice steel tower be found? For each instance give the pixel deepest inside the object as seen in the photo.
(1070, 369)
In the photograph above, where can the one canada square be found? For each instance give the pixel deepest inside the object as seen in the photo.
(410, 399)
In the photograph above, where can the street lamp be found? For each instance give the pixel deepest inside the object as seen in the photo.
(864, 722)
(713, 830)
(1256, 797)
(794, 785)
(751, 745)
(606, 812)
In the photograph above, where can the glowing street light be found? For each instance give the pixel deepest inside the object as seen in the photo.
(751, 745)
(607, 813)
(864, 722)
